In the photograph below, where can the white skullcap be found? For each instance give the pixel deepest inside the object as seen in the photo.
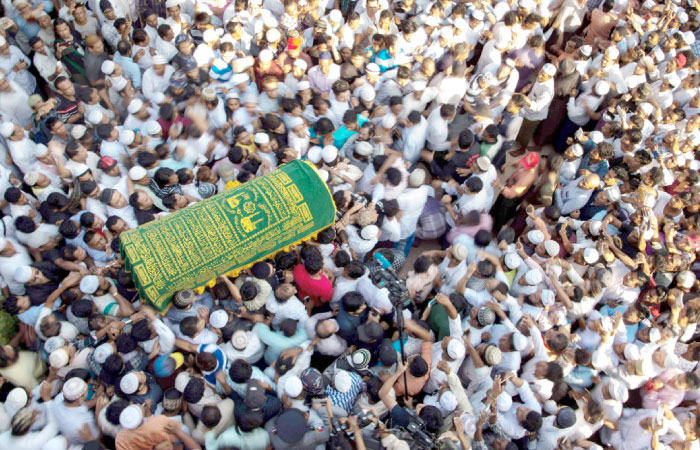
(688, 37)
(548, 297)
(262, 138)
(612, 52)
(552, 247)
(329, 154)
(586, 50)
(448, 401)
(158, 98)
(135, 106)
(631, 352)
(684, 279)
(446, 33)
(294, 122)
(673, 79)
(3, 41)
(89, 284)
(273, 35)
(527, 4)
(536, 237)
(658, 54)
(591, 255)
(388, 121)
(95, 117)
(108, 67)
(460, 24)
(324, 175)
(210, 35)
(7, 129)
(293, 386)
(577, 150)
(372, 68)
(419, 85)
(303, 85)
(239, 340)
(512, 260)
(478, 14)
(342, 381)
(239, 78)
(59, 358)
(519, 341)
(102, 352)
(137, 172)
(533, 277)
(265, 55)
(369, 232)
(654, 335)
(455, 349)
(159, 60)
(595, 227)
(682, 17)
(602, 88)
(54, 343)
(119, 83)
(126, 137)
(218, 319)
(335, 16)
(612, 194)
(131, 416)
(152, 127)
(504, 402)
(617, 390)
(367, 94)
(300, 63)
(129, 383)
(483, 163)
(16, 399)
(431, 21)
(31, 178)
(646, 108)
(23, 273)
(459, 251)
(417, 178)
(549, 69)
(172, 3)
(597, 137)
(73, 389)
(181, 381)
(314, 154)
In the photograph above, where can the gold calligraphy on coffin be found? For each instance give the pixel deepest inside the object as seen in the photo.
(229, 232)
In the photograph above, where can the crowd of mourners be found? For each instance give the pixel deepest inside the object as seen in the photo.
(537, 160)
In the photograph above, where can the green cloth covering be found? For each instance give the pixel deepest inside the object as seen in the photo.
(439, 321)
(227, 233)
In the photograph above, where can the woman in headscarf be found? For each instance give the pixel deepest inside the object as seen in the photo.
(564, 84)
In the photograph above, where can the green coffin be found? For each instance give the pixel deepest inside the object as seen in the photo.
(227, 233)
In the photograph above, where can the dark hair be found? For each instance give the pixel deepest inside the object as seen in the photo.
(188, 326)
(211, 416)
(240, 371)
(113, 364)
(393, 175)
(114, 409)
(285, 261)
(248, 290)
(418, 367)
(554, 372)
(558, 342)
(25, 224)
(352, 301)
(482, 238)
(194, 391)
(313, 261)
(141, 331)
(533, 421)
(125, 343)
(13, 194)
(422, 264)
(486, 268)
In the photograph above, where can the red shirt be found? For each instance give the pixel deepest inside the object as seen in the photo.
(320, 290)
(274, 71)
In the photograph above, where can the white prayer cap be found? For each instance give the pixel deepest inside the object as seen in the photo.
(262, 138)
(596, 136)
(446, 33)
(591, 255)
(335, 16)
(612, 194)
(372, 68)
(688, 37)
(367, 94)
(293, 386)
(137, 172)
(685, 279)
(273, 35)
(131, 416)
(108, 67)
(159, 60)
(673, 79)
(158, 98)
(102, 352)
(586, 50)
(54, 343)
(239, 340)
(417, 178)
(631, 352)
(448, 401)
(89, 284)
(658, 54)
(119, 83)
(419, 85)
(455, 349)
(135, 106)
(654, 335)
(682, 16)
(303, 85)
(460, 24)
(617, 390)
(388, 121)
(549, 69)
(218, 319)
(7, 129)
(527, 4)
(324, 175)
(171, 3)
(2, 41)
(300, 63)
(329, 154)
(478, 14)
(577, 150)
(594, 227)
(519, 341)
(612, 52)
(16, 399)
(314, 154)
(59, 358)
(239, 78)
(552, 247)
(265, 55)
(536, 237)
(504, 401)
(153, 127)
(533, 277)
(78, 131)
(23, 273)
(512, 260)
(369, 232)
(295, 122)
(646, 108)
(602, 88)
(95, 117)
(129, 383)
(431, 21)
(31, 178)
(459, 251)
(548, 297)
(126, 137)
(342, 381)
(73, 389)
(210, 35)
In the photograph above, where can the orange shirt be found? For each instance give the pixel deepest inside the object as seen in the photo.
(148, 435)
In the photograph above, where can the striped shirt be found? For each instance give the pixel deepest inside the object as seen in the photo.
(346, 400)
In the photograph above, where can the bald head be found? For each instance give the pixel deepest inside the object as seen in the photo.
(591, 181)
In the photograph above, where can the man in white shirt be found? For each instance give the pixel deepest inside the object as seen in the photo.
(537, 106)
(157, 78)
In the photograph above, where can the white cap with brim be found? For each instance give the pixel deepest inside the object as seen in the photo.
(135, 106)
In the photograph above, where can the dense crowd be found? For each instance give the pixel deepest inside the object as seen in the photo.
(522, 172)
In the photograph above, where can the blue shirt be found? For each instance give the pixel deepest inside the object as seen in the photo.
(210, 377)
(342, 134)
(130, 68)
(277, 342)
